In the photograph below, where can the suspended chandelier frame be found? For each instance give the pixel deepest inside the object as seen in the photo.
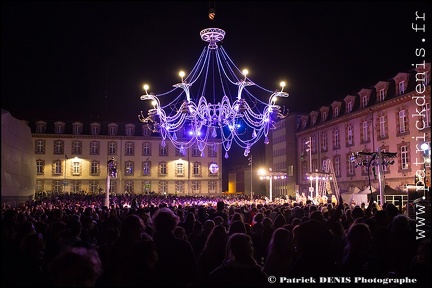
(186, 122)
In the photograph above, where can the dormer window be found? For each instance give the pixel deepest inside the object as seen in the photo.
(95, 128)
(145, 130)
(381, 95)
(112, 129)
(40, 127)
(59, 127)
(364, 101)
(77, 128)
(349, 107)
(336, 111)
(324, 116)
(401, 87)
(313, 120)
(130, 130)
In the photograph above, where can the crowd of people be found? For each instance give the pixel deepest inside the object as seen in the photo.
(198, 241)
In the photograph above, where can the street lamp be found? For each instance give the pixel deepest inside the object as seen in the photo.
(377, 159)
(423, 174)
(111, 172)
(65, 171)
(250, 163)
(318, 176)
(270, 175)
(308, 145)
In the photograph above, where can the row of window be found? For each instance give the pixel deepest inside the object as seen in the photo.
(364, 100)
(94, 187)
(365, 131)
(95, 128)
(112, 147)
(129, 168)
(403, 159)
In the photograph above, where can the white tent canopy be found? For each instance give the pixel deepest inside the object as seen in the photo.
(366, 190)
(354, 196)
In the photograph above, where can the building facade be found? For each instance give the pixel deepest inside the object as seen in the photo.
(283, 159)
(391, 116)
(72, 157)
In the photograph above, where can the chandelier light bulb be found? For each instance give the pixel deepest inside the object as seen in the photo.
(181, 74)
(245, 72)
(146, 87)
(282, 84)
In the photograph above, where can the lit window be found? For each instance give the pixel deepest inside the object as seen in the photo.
(382, 127)
(350, 135)
(404, 157)
(179, 169)
(129, 168)
(403, 121)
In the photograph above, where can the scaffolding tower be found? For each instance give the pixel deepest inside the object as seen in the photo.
(325, 186)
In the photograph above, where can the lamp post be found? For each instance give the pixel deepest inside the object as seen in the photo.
(377, 159)
(111, 172)
(423, 174)
(309, 150)
(270, 175)
(425, 147)
(319, 176)
(188, 163)
(65, 171)
(250, 163)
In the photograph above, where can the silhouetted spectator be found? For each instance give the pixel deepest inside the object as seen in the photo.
(239, 268)
(30, 270)
(420, 265)
(176, 265)
(212, 255)
(358, 258)
(402, 245)
(122, 259)
(279, 221)
(75, 267)
(280, 255)
(236, 226)
(267, 233)
(220, 206)
(313, 243)
(199, 242)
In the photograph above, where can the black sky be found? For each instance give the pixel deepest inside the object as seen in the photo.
(82, 57)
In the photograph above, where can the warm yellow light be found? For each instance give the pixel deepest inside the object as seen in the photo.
(181, 74)
(282, 84)
(245, 72)
(146, 87)
(154, 103)
(261, 171)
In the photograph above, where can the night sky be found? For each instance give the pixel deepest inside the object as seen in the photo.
(82, 57)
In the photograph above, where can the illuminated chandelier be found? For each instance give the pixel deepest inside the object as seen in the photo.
(189, 118)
